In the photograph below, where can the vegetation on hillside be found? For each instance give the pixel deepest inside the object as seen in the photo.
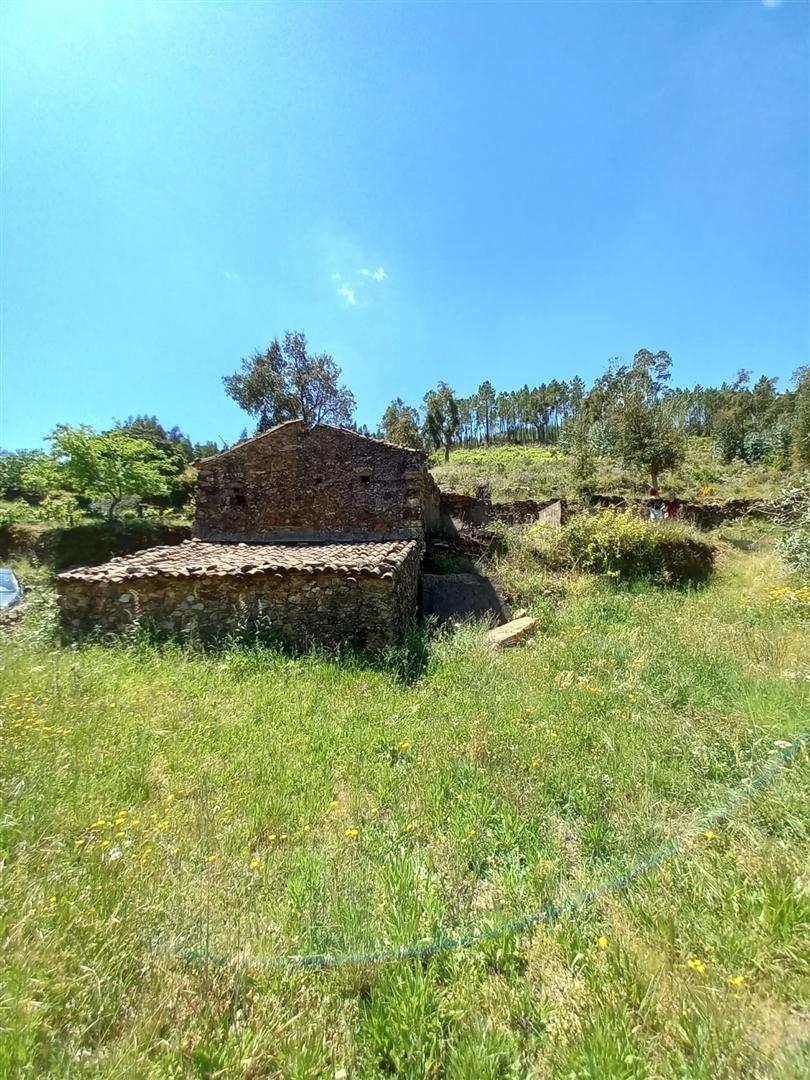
(536, 472)
(629, 430)
(138, 466)
(633, 408)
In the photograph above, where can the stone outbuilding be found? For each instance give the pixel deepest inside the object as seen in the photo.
(313, 535)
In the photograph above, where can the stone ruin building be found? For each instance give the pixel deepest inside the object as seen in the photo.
(316, 534)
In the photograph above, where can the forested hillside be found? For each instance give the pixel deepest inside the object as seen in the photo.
(631, 429)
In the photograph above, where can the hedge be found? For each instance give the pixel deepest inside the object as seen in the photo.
(89, 544)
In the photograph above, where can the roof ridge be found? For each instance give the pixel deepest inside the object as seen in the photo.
(307, 427)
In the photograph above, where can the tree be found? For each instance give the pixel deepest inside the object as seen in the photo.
(581, 464)
(285, 382)
(173, 443)
(801, 429)
(109, 465)
(400, 425)
(206, 449)
(442, 419)
(13, 469)
(486, 405)
(641, 433)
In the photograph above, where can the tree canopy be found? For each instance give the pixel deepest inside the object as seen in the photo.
(442, 418)
(286, 382)
(400, 425)
(639, 429)
(109, 466)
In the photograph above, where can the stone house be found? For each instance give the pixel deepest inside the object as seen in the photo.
(315, 534)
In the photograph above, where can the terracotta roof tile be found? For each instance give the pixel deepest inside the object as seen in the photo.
(196, 558)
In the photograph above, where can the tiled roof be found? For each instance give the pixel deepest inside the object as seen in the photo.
(195, 558)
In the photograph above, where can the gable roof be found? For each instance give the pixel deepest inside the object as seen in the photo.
(306, 427)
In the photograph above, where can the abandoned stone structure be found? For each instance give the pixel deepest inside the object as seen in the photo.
(315, 535)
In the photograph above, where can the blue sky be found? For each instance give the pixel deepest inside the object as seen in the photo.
(456, 191)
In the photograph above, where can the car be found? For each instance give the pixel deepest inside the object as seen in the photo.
(11, 591)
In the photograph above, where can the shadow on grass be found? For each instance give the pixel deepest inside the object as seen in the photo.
(740, 543)
(405, 662)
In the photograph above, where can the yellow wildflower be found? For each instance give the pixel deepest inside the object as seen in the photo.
(602, 942)
(212, 858)
(736, 980)
(255, 864)
(696, 965)
(709, 834)
(351, 833)
(405, 744)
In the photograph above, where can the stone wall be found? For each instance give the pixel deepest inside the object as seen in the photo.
(301, 609)
(473, 510)
(312, 484)
(470, 510)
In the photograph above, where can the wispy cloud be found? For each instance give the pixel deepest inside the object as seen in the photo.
(376, 275)
(772, 3)
(230, 275)
(352, 287)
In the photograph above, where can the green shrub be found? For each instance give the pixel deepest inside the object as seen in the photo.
(627, 547)
(86, 544)
(792, 508)
(794, 547)
(10, 514)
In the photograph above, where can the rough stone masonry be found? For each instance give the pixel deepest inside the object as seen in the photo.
(312, 535)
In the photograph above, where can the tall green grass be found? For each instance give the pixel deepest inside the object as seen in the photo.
(176, 821)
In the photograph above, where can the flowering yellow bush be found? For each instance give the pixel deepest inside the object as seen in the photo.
(797, 597)
(625, 546)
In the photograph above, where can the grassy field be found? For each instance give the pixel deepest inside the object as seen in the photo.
(521, 472)
(175, 823)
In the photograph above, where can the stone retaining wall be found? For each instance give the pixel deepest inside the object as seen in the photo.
(301, 609)
(470, 510)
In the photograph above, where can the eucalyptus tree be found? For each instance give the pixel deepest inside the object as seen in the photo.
(442, 418)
